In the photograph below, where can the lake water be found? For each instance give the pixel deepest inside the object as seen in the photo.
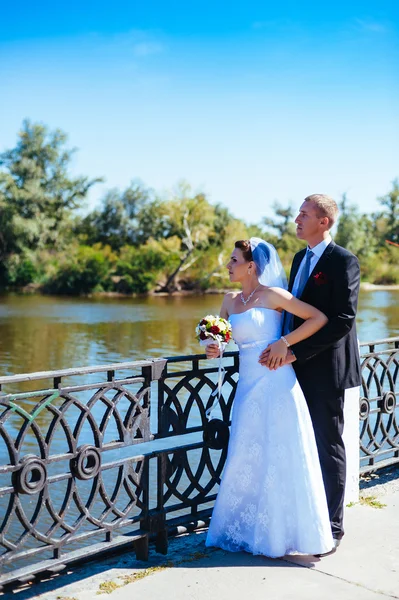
(47, 333)
(41, 333)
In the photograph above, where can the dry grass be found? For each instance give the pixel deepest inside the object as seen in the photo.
(367, 501)
(144, 573)
(107, 587)
(371, 501)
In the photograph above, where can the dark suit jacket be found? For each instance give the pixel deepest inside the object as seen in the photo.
(330, 357)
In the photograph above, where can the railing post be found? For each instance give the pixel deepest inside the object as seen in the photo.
(153, 524)
(141, 546)
(351, 441)
(161, 542)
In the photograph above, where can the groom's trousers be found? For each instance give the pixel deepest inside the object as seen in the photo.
(326, 409)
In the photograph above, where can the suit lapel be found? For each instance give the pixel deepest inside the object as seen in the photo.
(320, 265)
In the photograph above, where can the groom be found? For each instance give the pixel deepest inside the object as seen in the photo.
(327, 363)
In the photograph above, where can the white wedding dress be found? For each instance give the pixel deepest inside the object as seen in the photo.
(271, 500)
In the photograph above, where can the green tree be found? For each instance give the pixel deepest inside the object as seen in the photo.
(37, 194)
(281, 232)
(285, 220)
(211, 270)
(191, 220)
(138, 268)
(83, 271)
(117, 221)
(391, 213)
(355, 230)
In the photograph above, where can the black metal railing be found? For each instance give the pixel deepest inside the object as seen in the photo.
(66, 481)
(82, 473)
(378, 409)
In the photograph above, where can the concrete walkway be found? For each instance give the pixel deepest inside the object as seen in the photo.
(365, 567)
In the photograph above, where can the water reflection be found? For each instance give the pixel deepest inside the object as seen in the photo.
(49, 333)
(46, 333)
(378, 315)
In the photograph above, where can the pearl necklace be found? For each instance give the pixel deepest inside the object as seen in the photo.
(245, 302)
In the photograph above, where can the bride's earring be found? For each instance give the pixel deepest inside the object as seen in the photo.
(249, 271)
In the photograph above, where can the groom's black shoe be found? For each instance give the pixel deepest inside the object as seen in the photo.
(333, 549)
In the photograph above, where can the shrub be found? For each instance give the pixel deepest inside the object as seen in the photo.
(381, 268)
(19, 271)
(88, 270)
(137, 269)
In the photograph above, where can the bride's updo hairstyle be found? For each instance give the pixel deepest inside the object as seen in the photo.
(245, 247)
(269, 269)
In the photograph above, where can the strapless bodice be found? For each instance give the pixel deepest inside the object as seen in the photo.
(256, 326)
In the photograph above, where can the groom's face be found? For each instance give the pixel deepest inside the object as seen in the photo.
(308, 224)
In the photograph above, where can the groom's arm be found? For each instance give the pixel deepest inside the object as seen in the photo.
(346, 293)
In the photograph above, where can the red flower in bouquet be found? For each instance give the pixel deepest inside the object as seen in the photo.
(214, 329)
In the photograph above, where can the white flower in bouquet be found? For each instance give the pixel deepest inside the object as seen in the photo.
(212, 330)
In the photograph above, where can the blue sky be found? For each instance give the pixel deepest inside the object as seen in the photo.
(250, 101)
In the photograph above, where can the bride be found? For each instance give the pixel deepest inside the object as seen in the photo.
(271, 500)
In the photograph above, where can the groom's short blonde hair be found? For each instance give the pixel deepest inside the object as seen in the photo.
(325, 207)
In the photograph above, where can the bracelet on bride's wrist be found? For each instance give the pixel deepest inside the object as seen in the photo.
(285, 341)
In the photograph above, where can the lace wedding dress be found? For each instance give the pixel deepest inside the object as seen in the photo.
(271, 499)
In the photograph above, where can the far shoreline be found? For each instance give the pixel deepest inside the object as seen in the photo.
(365, 286)
(30, 290)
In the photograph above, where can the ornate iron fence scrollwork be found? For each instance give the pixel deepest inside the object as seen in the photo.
(81, 470)
(87, 463)
(32, 475)
(70, 475)
(188, 472)
(379, 409)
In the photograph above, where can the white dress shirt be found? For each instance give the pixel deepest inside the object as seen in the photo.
(317, 253)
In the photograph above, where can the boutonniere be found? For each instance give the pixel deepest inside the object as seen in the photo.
(320, 278)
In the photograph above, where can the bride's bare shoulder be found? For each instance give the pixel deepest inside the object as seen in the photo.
(231, 295)
(273, 296)
(228, 303)
(278, 292)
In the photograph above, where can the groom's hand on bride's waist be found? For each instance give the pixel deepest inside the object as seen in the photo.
(264, 359)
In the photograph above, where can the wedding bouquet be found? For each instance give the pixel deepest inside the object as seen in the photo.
(213, 330)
